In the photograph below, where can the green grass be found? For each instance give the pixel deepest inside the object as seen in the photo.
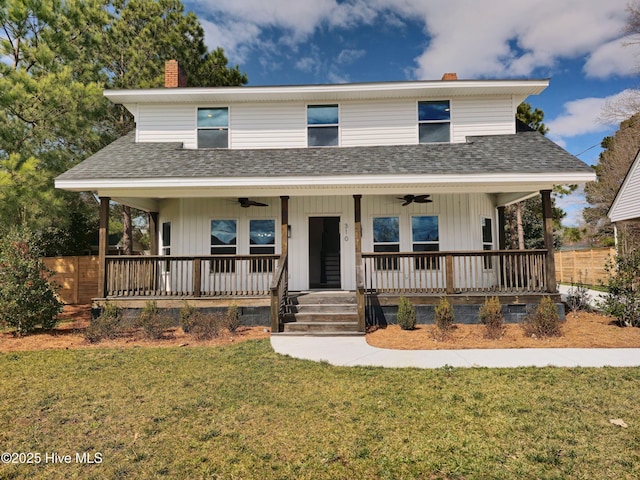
(242, 411)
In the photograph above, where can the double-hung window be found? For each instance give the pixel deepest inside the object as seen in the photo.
(487, 240)
(262, 241)
(386, 239)
(425, 238)
(213, 127)
(166, 244)
(322, 125)
(223, 242)
(434, 121)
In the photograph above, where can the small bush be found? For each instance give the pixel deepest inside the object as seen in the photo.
(406, 314)
(623, 301)
(186, 314)
(578, 298)
(232, 319)
(444, 316)
(108, 325)
(544, 321)
(153, 322)
(490, 315)
(27, 298)
(205, 326)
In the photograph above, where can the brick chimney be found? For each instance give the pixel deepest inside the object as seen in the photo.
(450, 76)
(174, 76)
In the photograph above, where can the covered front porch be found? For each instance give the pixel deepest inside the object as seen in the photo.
(519, 277)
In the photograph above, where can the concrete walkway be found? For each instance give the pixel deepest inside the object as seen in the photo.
(355, 351)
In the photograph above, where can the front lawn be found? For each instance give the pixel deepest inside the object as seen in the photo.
(244, 412)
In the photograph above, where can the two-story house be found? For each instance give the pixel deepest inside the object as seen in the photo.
(260, 195)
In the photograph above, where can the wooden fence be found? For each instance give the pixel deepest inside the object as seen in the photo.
(76, 276)
(583, 266)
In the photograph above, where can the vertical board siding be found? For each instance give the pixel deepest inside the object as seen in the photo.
(481, 116)
(167, 123)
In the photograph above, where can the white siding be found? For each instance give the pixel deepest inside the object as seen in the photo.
(481, 116)
(167, 123)
(269, 125)
(459, 222)
(379, 123)
(362, 123)
(627, 203)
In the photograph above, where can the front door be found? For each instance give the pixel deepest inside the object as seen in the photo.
(324, 252)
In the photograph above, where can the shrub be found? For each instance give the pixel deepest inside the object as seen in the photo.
(186, 314)
(406, 314)
(578, 298)
(490, 315)
(544, 321)
(232, 319)
(444, 316)
(153, 322)
(623, 301)
(205, 326)
(108, 325)
(27, 298)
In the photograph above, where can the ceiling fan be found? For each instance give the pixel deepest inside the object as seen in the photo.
(415, 199)
(246, 203)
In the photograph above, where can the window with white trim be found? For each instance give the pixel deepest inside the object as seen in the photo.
(425, 237)
(434, 121)
(262, 241)
(166, 244)
(223, 242)
(487, 240)
(386, 239)
(322, 126)
(213, 127)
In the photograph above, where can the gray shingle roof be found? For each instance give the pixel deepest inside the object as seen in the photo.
(525, 152)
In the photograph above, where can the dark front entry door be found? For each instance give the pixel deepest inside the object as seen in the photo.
(324, 252)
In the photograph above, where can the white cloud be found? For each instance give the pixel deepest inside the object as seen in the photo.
(573, 205)
(349, 56)
(613, 59)
(584, 116)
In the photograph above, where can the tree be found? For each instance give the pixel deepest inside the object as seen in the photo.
(613, 164)
(526, 229)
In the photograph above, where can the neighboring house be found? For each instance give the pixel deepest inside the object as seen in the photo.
(625, 209)
(378, 189)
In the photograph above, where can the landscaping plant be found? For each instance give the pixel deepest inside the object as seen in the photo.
(490, 315)
(186, 314)
(544, 321)
(406, 314)
(106, 326)
(27, 298)
(623, 301)
(232, 319)
(205, 326)
(444, 317)
(153, 322)
(578, 298)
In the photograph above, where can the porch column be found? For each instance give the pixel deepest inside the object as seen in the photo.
(284, 224)
(357, 208)
(103, 246)
(502, 241)
(153, 233)
(547, 218)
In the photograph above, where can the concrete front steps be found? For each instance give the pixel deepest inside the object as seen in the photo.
(322, 313)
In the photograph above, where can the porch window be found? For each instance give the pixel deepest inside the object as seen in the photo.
(166, 244)
(262, 241)
(487, 241)
(213, 127)
(386, 238)
(223, 242)
(434, 121)
(425, 238)
(322, 125)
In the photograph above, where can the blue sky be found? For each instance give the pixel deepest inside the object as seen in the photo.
(578, 44)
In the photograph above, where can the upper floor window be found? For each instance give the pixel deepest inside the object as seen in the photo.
(322, 125)
(434, 121)
(213, 127)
